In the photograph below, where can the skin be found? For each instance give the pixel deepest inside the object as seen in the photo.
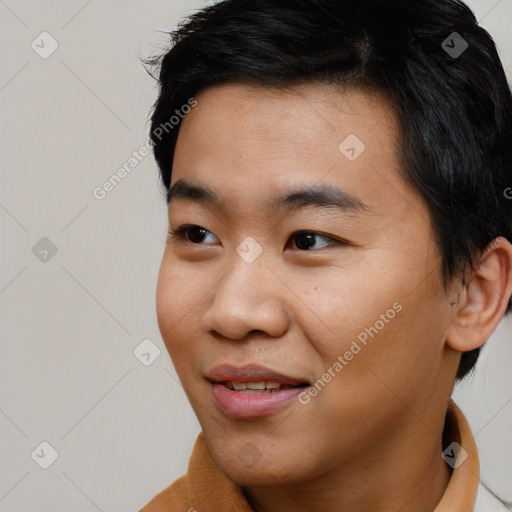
(371, 439)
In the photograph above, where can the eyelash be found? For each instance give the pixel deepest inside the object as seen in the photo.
(179, 235)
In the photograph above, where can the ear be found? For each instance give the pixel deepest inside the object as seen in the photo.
(483, 299)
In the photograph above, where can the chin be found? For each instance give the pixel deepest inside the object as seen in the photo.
(259, 472)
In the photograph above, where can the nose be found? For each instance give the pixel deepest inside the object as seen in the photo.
(248, 298)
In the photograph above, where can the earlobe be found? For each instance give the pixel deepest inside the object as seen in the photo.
(483, 299)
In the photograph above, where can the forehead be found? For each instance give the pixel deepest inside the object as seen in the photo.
(253, 143)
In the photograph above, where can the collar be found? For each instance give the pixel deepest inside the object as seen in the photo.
(460, 494)
(206, 487)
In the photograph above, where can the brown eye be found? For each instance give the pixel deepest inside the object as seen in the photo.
(196, 234)
(305, 240)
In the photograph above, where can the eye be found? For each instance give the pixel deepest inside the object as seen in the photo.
(196, 234)
(305, 240)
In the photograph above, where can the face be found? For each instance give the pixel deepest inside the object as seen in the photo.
(311, 266)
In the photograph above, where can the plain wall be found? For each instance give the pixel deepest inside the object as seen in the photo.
(71, 320)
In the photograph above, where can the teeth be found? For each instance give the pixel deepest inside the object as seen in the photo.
(255, 387)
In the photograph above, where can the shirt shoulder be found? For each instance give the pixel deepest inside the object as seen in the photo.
(487, 502)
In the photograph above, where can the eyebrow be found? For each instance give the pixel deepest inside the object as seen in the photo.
(315, 196)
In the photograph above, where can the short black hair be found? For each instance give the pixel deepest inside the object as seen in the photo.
(436, 66)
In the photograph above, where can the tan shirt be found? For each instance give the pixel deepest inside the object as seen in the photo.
(205, 488)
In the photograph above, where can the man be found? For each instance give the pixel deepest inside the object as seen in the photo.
(339, 249)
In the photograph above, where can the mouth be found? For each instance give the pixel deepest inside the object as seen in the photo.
(252, 391)
(259, 387)
(252, 374)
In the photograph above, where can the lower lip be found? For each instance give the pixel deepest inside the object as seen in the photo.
(240, 405)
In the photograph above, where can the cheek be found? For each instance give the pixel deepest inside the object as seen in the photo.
(174, 305)
(375, 320)
(345, 307)
(165, 300)
(388, 359)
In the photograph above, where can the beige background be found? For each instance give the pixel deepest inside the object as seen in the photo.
(70, 323)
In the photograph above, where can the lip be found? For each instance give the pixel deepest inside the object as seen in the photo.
(251, 373)
(244, 406)
(240, 405)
